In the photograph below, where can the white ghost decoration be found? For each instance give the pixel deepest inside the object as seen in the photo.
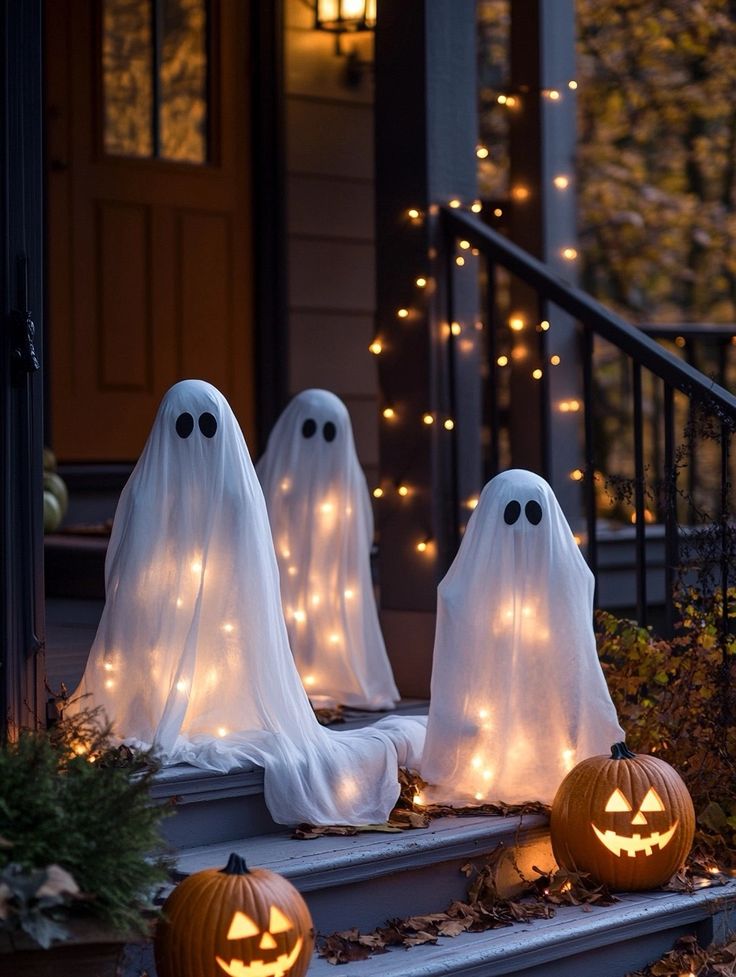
(518, 694)
(192, 654)
(322, 523)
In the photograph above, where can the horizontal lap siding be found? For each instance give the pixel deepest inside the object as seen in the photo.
(331, 252)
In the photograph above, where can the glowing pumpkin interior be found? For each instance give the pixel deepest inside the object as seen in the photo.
(637, 842)
(243, 927)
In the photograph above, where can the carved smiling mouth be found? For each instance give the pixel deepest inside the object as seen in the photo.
(632, 846)
(261, 968)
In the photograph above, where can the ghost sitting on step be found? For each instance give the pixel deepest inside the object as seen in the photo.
(322, 522)
(518, 694)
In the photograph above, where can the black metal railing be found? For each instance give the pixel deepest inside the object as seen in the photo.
(666, 390)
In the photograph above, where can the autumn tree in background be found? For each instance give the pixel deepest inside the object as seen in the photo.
(656, 165)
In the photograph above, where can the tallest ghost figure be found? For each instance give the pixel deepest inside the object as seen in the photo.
(192, 656)
(322, 523)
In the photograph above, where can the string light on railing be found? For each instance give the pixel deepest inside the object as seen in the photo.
(498, 212)
(389, 413)
(378, 492)
(424, 545)
(456, 328)
(421, 282)
(402, 313)
(680, 342)
(555, 360)
(403, 490)
(464, 245)
(516, 322)
(428, 419)
(502, 361)
(449, 424)
(561, 182)
(472, 503)
(459, 261)
(476, 206)
(572, 84)
(537, 374)
(376, 347)
(520, 192)
(569, 406)
(475, 252)
(502, 99)
(576, 475)
(482, 152)
(414, 215)
(544, 325)
(552, 94)
(455, 203)
(569, 254)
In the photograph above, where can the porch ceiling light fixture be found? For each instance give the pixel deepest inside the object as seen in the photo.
(340, 17)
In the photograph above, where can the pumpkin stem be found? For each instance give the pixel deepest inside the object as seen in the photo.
(235, 865)
(620, 751)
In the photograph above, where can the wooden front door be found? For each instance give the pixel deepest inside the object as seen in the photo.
(149, 217)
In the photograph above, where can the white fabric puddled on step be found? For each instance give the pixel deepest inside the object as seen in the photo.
(322, 523)
(192, 654)
(518, 694)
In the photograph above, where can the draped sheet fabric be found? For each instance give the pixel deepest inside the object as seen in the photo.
(192, 654)
(518, 694)
(322, 523)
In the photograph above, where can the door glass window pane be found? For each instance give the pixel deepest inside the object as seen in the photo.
(183, 118)
(154, 79)
(127, 77)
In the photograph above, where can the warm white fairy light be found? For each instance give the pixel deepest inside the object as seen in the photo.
(572, 84)
(414, 214)
(455, 203)
(196, 566)
(561, 182)
(378, 492)
(292, 571)
(334, 638)
(476, 206)
(516, 322)
(476, 762)
(537, 374)
(576, 475)
(552, 94)
(221, 731)
(569, 254)
(349, 594)
(502, 360)
(498, 212)
(464, 244)
(285, 484)
(459, 261)
(300, 617)
(482, 152)
(179, 602)
(421, 282)
(389, 413)
(108, 666)
(422, 545)
(449, 424)
(228, 628)
(402, 313)
(569, 406)
(544, 325)
(109, 684)
(315, 600)
(376, 347)
(520, 192)
(472, 502)
(456, 328)
(555, 360)
(326, 508)
(403, 490)
(182, 685)
(501, 99)
(428, 419)
(309, 680)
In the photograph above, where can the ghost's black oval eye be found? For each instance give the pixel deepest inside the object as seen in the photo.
(533, 512)
(207, 424)
(309, 427)
(184, 425)
(511, 512)
(329, 431)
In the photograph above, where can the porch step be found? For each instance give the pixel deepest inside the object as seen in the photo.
(367, 878)
(214, 807)
(609, 941)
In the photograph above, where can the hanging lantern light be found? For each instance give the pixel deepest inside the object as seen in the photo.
(342, 16)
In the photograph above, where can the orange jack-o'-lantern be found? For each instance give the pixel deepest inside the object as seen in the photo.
(627, 820)
(237, 922)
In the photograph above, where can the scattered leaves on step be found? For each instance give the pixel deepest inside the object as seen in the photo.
(688, 957)
(306, 832)
(329, 715)
(563, 888)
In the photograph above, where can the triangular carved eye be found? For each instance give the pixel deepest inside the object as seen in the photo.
(652, 802)
(241, 927)
(617, 802)
(278, 923)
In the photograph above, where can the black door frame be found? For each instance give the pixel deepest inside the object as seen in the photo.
(21, 412)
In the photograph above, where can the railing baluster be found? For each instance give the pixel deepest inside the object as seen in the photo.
(450, 368)
(725, 565)
(692, 466)
(589, 452)
(640, 525)
(493, 410)
(672, 556)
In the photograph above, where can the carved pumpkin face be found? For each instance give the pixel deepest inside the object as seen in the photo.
(277, 952)
(627, 820)
(236, 922)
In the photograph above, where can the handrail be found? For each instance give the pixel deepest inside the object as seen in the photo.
(583, 307)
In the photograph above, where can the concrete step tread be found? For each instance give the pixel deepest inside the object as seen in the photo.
(342, 860)
(547, 943)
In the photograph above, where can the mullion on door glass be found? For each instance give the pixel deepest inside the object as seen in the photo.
(127, 77)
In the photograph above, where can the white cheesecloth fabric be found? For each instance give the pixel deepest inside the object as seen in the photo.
(518, 694)
(192, 655)
(322, 523)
